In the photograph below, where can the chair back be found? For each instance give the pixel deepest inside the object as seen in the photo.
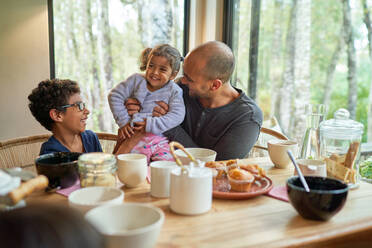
(22, 152)
(108, 141)
(260, 148)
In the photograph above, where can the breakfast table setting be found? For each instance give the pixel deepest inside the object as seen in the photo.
(316, 197)
(261, 220)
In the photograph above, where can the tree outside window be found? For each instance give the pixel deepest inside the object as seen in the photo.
(309, 51)
(98, 42)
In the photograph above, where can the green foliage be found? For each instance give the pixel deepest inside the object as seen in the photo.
(81, 54)
(365, 168)
(326, 27)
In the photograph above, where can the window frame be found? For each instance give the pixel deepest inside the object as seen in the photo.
(230, 37)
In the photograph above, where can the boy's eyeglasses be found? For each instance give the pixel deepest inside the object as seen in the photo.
(80, 105)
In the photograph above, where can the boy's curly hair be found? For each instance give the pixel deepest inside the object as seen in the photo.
(50, 94)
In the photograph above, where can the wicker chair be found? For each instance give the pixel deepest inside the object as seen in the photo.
(21, 152)
(108, 141)
(260, 148)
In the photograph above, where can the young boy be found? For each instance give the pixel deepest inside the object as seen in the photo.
(57, 105)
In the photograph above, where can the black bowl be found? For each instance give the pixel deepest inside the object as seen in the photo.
(326, 197)
(61, 168)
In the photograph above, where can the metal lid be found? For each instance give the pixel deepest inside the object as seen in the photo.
(341, 127)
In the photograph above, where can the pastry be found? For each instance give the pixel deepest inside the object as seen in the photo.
(342, 166)
(219, 169)
(218, 164)
(351, 154)
(254, 169)
(339, 171)
(240, 180)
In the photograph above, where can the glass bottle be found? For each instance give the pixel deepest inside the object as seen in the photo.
(97, 169)
(340, 142)
(311, 142)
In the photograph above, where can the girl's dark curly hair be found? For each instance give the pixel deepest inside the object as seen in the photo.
(50, 94)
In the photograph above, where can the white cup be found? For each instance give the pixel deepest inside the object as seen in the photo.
(132, 169)
(191, 190)
(203, 154)
(278, 152)
(160, 177)
(312, 167)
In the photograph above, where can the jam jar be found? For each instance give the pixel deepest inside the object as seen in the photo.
(97, 169)
(340, 143)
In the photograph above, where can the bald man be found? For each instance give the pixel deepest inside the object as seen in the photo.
(218, 116)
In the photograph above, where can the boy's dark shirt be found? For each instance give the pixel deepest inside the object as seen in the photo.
(89, 139)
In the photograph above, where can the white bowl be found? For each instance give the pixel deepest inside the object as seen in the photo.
(203, 154)
(85, 199)
(132, 225)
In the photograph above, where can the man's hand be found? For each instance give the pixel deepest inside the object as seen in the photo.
(132, 105)
(161, 109)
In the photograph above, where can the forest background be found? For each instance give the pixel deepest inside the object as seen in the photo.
(309, 51)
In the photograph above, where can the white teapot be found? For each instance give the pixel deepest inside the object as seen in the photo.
(190, 187)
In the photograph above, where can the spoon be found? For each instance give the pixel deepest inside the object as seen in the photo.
(302, 178)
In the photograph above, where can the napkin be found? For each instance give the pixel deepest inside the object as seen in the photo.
(69, 190)
(279, 192)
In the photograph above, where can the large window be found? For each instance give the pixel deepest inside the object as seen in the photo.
(309, 51)
(98, 43)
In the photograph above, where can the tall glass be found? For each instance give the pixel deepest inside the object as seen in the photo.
(311, 141)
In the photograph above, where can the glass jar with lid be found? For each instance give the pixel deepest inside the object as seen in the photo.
(97, 169)
(340, 140)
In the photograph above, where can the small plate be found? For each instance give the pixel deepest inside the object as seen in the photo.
(259, 187)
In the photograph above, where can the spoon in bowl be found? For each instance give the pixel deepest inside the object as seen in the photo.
(299, 172)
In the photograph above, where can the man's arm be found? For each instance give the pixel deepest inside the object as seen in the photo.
(126, 145)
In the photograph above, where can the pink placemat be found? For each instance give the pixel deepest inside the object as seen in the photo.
(279, 192)
(68, 191)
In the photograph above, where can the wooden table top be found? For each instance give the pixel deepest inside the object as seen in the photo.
(256, 222)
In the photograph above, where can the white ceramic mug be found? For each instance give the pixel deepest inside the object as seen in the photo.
(191, 190)
(312, 167)
(278, 152)
(132, 169)
(160, 177)
(203, 154)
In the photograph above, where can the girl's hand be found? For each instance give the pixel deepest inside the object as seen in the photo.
(140, 126)
(126, 131)
(132, 105)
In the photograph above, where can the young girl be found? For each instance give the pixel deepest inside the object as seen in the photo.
(161, 65)
(58, 106)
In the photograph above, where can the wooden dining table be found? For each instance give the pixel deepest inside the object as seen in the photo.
(261, 221)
